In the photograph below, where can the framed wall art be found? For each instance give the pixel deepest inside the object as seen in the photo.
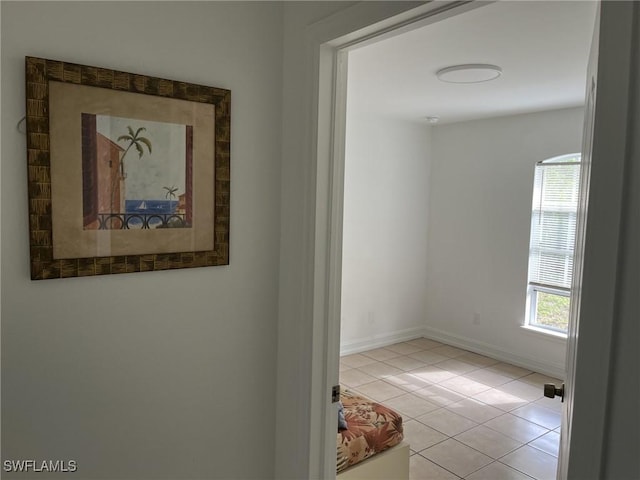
(127, 173)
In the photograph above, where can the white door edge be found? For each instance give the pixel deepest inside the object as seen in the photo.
(589, 347)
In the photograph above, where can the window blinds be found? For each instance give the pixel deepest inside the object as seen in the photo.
(553, 223)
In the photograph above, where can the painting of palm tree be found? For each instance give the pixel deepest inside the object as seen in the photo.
(171, 192)
(134, 140)
(125, 194)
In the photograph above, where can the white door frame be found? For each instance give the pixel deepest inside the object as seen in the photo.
(326, 146)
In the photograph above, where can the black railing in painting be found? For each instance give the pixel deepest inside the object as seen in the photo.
(131, 221)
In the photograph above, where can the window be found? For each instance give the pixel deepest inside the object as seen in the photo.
(553, 233)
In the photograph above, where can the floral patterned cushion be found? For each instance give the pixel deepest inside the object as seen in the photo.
(372, 428)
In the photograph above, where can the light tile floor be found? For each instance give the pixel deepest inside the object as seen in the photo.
(466, 416)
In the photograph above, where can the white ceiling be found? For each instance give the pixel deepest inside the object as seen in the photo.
(541, 46)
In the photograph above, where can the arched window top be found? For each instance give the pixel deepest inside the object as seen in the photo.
(569, 158)
(556, 190)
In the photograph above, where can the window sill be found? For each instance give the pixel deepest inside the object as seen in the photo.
(543, 332)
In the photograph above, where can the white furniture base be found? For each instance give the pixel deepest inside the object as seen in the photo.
(392, 464)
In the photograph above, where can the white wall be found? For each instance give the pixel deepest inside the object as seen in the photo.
(384, 252)
(476, 202)
(149, 375)
(479, 221)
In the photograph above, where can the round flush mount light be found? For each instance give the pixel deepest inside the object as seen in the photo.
(470, 73)
(433, 119)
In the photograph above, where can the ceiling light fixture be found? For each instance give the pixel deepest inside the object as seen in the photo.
(469, 73)
(433, 119)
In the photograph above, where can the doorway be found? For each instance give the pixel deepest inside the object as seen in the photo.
(333, 59)
(468, 181)
(323, 292)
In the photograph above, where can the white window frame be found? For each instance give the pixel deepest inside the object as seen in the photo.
(532, 301)
(533, 288)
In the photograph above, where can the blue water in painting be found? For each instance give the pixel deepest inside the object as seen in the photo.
(150, 206)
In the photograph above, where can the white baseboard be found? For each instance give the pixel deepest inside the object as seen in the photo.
(380, 340)
(466, 343)
(492, 351)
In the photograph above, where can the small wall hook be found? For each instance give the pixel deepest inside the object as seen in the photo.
(21, 125)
